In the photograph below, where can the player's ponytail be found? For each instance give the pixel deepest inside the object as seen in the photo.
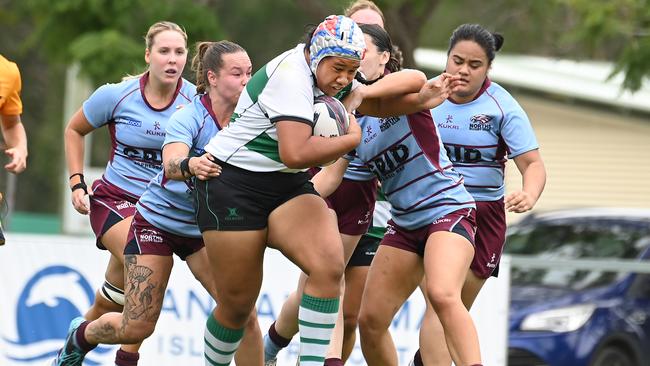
(198, 68)
(209, 57)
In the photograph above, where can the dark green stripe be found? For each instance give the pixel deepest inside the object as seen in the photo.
(222, 333)
(265, 145)
(257, 83)
(321, 305)
(213, 362)
(315, 325)
(376, 232)
(217, 350)
(312, 358)
(315, 341)
(344, 92)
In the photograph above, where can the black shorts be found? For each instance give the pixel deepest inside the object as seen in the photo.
(364, 252)
(239, 199)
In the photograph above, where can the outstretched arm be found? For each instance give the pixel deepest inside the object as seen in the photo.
(429, 94)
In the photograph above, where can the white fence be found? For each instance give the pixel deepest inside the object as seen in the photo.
(45, 281)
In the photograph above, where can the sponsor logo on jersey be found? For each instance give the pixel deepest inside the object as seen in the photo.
(386, 123)
(146, 155)
(390, 230)
(365, 220)
(492, 263)
(151, 236)
(480, 122)
(233, 214)
(157, 130)
(128, 121)
(441, 220)
(124, 205)
(449, 123)
(390, 161)
(370, 135)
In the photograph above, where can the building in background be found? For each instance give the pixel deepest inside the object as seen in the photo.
(594, 137)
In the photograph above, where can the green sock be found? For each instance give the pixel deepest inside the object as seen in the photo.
(316, 319)
(220, 342)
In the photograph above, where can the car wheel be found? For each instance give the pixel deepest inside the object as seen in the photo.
(612, 356)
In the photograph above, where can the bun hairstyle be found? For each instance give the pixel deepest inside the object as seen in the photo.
(490, 42)
(209, 56)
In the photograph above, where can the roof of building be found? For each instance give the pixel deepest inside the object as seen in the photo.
(584, 80)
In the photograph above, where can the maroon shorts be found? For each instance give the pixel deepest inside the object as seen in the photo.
(461, 222)
(490, 238)
(354, 203)
(145, 238)
(108, 205)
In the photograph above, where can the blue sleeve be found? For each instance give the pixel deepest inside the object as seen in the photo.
(183, 126)
(516, 130)
(98, 108)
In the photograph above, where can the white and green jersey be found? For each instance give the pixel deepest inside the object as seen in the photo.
(284, 89)
(380, 216)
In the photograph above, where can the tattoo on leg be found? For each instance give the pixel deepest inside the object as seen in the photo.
(105, 334)
(141, 292)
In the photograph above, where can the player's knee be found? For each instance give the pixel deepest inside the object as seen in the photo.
(236, 304)
(330, 270)
(443, 298)
(370, 324)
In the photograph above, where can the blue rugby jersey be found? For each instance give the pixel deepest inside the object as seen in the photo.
(358, 171)
(481, 135)
(137, 129)
(407, 156)
(169, 204)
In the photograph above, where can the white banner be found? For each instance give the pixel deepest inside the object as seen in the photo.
(45, 281)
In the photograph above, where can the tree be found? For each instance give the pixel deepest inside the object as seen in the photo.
(624, 22)
(405, 19)
(105, 36)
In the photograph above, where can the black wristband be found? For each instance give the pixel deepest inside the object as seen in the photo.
(79, 174)
(185, 167)
(80, 185)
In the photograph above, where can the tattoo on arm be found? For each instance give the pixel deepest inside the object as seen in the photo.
(174, 166)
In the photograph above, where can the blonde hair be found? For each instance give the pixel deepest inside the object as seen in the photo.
(160, 27)
(363, 4)
(153, 31)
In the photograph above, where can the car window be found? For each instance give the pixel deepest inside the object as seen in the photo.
(613, 239)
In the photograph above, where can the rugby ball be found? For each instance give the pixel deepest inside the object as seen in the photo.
(330, 117)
